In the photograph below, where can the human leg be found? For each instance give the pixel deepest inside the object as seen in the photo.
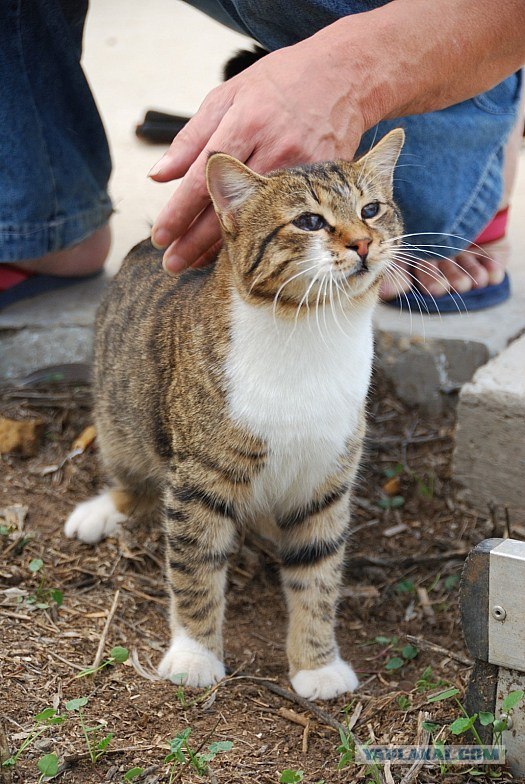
(55, 162)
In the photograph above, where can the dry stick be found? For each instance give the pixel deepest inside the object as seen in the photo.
(423, 737)
(426, 645)
(5, 773)
(409, 560)
(102, 642)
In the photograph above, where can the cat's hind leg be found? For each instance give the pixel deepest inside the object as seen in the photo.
(312, 554)
(100, 517)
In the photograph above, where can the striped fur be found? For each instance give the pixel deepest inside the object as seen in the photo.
(234, 396)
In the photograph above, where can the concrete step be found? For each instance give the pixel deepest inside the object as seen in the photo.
(489, 457)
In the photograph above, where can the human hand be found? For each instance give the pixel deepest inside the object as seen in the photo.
(296, 105)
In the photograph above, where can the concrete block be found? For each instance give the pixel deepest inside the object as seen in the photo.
(489, 458)
(52, 329)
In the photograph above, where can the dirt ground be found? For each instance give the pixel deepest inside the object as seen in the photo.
(411, 532)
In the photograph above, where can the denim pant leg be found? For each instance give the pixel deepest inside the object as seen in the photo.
(449, 180)
(54, 157)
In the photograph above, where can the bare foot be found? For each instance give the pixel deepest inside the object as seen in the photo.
(80, 260)
(474, 268)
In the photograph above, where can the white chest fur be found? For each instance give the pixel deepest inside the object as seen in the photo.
(300, 389)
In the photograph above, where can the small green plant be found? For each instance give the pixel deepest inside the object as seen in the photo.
(43, 596)
(181, 753)
(426, 682)
(391, 501)
(96, 748)
(403, 703)
(133, 773)
(42, 722)
(290, 776)
(466, 723)
(48, 766)
(401, 653)
(117, 655)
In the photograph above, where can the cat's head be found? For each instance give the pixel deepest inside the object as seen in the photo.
(326, 228)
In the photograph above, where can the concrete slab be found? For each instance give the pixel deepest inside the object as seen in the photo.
(489, 457)
(429, 357)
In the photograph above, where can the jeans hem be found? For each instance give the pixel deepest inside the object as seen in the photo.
(30, 240)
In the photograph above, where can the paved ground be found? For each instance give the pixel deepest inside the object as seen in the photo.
(166, 55)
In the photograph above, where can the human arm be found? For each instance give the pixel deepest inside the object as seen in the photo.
(313, 101)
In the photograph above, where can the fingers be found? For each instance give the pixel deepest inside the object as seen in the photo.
(194, 246)
(191, 197)
(192, 139)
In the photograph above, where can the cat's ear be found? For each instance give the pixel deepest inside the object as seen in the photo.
(383, 157)
(230, 184)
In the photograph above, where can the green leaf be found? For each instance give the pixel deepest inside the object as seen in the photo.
(451, 581)
(395, 471)
(443, 695)
(394, 663)
(48, 765)
(500, 725)
(430, 726)
(4, 530)
(409, 652)
(133, 773)
(74, 705)
(119, 653)
(57, 596)
(217, 748)
(396, 501)
(104, 743)
(291, 776)
(511, 700)
(405, 586)
(45, 715)
(35, 565)
(461, 725)
(382, 640)
(485, 718)
(403, 702)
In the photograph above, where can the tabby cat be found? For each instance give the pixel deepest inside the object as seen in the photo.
(234, 395)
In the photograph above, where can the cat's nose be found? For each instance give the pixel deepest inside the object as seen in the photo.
(361, 247)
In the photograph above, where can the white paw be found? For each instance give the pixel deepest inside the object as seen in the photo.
(325, 682)
(93, 520)
(190, 663)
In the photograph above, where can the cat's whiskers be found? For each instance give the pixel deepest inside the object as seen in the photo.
(433, 273)
(404, 273)
(470, 244)
(286, 282)
(333, 286)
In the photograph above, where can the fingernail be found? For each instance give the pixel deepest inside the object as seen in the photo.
(156, 169)
(160, 238)
(173, 263)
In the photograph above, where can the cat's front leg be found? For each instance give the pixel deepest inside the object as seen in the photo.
(200, 535)
(312, 553)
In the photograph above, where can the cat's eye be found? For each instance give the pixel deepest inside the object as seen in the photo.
(310, 221)
(370, 210)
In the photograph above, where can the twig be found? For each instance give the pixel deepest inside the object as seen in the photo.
(306, 732)
(105, 630)
(426, 645)
(291, 715)
(410, 560)
(322, 715)
(5, 773)
(423, 737)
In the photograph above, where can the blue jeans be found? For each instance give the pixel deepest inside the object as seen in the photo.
(54, 157)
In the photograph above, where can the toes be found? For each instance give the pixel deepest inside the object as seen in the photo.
(325, 682)
(395, 282)
(430, 278)
(472, 267)
(94, 520)
(495, 262)
(190, 663)
(459, 280)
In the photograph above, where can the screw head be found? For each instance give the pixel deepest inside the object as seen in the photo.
(499, 612)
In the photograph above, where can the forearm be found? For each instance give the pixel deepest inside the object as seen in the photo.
(416, 56)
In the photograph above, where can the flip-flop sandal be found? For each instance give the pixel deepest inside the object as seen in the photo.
(475, 299)
(17, 284)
